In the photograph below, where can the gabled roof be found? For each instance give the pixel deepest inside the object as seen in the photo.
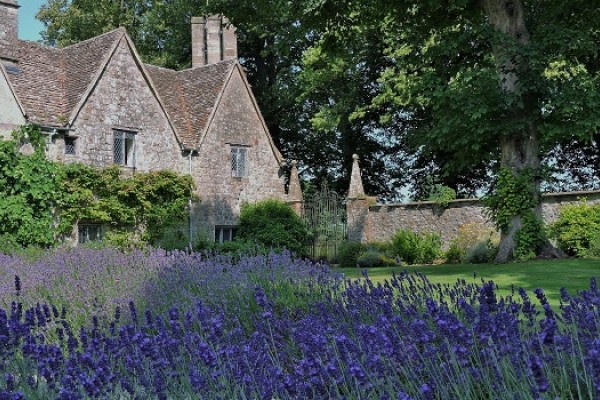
(52, 85)
(83, 62)
(190, 96)
(50, 82)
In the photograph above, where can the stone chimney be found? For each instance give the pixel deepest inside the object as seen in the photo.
(213, 40)
(9, 11)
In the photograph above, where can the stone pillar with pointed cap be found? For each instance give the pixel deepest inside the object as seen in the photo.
(295, 198)
(357, 206)
(356, 186)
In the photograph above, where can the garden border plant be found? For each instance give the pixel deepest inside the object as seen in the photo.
(273, 223)
(577, 229)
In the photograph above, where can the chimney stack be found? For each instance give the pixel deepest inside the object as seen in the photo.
(213, 40)
(9, 12)
(198, 41)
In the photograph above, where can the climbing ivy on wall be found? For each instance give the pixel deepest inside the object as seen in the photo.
(514, 196)
(29, 188)
(41, 200)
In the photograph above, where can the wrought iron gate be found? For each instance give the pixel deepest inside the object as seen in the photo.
(325, 215)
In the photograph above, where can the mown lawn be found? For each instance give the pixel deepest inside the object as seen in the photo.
(550, 275)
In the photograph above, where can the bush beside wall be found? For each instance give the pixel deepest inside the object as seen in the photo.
(577, 230)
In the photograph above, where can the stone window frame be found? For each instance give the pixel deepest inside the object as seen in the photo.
(70, 148)
(124, 147)
(89, 231)
(225, 233)
(239, 160)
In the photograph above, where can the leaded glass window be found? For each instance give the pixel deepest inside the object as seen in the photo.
(89, 233)
(225, 233)
(124, 148)
(239, 161)
(70, 145)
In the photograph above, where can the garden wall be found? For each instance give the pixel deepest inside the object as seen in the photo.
(376, 222)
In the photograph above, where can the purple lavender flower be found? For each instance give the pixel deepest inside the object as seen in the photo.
(17, 285)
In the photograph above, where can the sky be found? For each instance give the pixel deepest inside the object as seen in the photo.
(29, 27)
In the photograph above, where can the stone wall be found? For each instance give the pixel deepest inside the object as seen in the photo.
(380, 222)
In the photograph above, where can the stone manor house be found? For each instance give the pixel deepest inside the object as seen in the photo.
(98, 103)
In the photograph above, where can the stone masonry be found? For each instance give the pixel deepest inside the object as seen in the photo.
(223, 194)
(369, 222)
(8, 28)
(122, 100)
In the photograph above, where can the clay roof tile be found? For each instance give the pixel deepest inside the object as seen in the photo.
(50, 82)
(190, 96)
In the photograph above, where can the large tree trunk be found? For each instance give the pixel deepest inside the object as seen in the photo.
(519, 150)
(519, 154)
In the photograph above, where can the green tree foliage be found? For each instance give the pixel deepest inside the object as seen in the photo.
(41, 200)
(272, 223)
(482, 85)
(70, 21)
(339, 86)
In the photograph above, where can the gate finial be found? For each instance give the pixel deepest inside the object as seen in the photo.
(356, 187)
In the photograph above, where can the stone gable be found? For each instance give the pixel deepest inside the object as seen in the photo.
(122, 99)
(236, 122)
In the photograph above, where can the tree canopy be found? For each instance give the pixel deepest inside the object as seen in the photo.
(482, 87)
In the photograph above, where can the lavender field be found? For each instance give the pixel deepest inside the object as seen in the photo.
(85, 323)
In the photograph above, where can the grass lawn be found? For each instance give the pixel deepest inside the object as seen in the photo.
(550, 275)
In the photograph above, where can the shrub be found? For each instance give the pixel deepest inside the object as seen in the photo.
(8, 244)
(272, 223)
(374, 259)
(430, 247)
(173, 238)
(577, 229)
(405, 244)
(239, 248)
(594, 250)
(348, 253)
(470, 234)
(202, 242)
(413, 247)
(442, 195)
(482, 252)
(474, 241)
(455, 253)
